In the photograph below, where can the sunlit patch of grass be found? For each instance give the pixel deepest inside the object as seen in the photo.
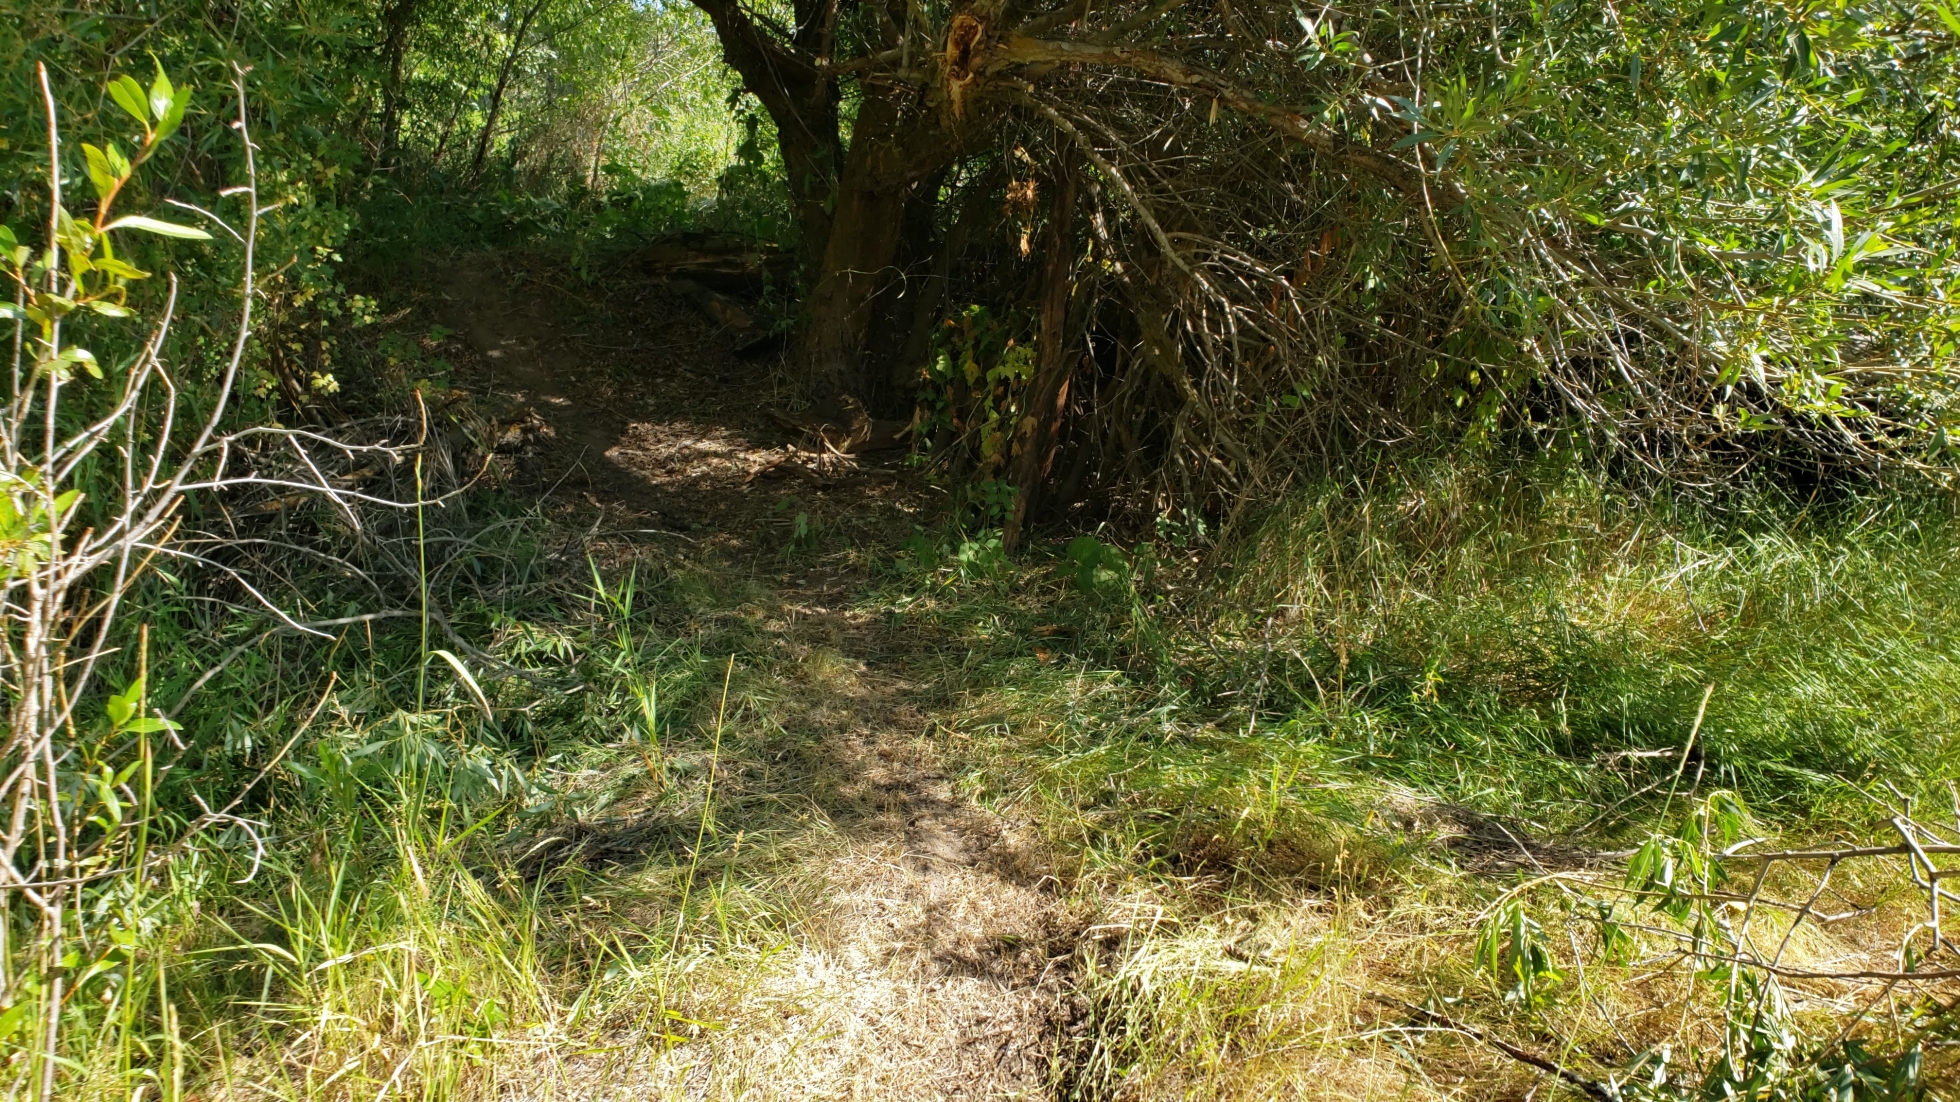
(1308, 731)
(1531, 655)
(1142, 790)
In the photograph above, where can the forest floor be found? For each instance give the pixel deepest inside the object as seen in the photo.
(933, 959)
(950, 841)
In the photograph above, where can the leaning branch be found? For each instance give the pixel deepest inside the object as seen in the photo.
(1294, 124)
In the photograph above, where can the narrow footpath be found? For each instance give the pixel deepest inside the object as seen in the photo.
(931, 954)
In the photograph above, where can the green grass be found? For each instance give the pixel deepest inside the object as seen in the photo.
(1243, 775)
(1501, 652)
(1522, 644)
(1531, 647)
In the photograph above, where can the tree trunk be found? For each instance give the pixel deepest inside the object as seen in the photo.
(894, 148)
(396, 20)
(801, 101)
(810, 162)
(503, 82)
(850, 205)
(1047, 392)
(856, 265)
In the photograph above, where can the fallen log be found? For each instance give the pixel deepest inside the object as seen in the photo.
(721, 262)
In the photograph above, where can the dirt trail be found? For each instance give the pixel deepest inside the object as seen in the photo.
(933, 964)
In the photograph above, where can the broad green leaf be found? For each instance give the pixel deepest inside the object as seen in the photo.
(122, 707)
(108, 309)
(73, 235)
(152, 225)
(86, 359)
(174, 117)
(129, 96)
(100, 172)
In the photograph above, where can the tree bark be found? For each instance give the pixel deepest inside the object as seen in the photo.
(396, 20)
(1040, 425)
(864, 239)
(801, 100)
(896, 146)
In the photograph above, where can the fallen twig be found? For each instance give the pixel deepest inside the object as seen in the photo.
(1605, 1092)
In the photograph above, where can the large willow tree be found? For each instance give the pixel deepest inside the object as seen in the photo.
(1689, 229)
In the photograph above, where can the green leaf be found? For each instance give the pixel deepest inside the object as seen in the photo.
(161, 94)
(150, 726)
(86, 359)
(119, 269)
(174, 117)
(108, 309)
(469, 682)
(100, 172)
(152, 225)
(129, 96)
(73, 235)
(122, 706)
(1946, 15)
(14, 1017)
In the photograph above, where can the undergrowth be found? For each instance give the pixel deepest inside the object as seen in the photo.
(1296, 786)
(1411, 709)
(1437, 754)
(1520, 643)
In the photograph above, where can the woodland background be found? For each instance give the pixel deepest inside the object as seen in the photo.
(1425, 533)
